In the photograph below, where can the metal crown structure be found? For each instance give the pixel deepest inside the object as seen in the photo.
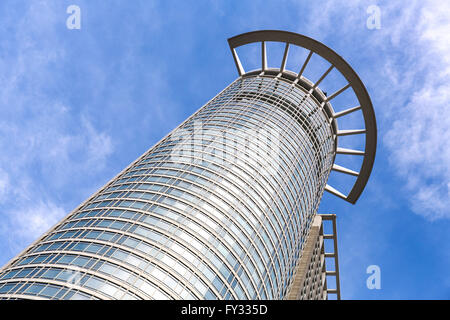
(354, 83)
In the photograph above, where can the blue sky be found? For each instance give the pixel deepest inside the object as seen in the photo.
(77, 106)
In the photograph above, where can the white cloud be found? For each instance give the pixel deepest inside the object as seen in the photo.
(99, 144)
(45, 144)
(419, 139)
(413, 49)
(31, 221)
(4, 184)
(412, 88)
(420, 147)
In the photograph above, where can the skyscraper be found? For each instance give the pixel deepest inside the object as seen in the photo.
(222, 207)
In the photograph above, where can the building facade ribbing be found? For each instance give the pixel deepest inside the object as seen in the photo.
(221, 208)
(218, 209)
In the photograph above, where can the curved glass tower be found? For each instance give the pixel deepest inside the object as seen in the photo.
(218, 209)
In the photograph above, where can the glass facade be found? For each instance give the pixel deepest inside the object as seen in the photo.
(218, 209)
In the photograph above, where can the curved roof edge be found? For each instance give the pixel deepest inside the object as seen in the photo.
(337, 62)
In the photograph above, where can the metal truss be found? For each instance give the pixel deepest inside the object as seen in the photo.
(354, 83)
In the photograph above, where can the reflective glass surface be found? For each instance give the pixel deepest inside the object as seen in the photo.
(218, 209)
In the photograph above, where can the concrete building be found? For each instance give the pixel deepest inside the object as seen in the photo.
(312, 274)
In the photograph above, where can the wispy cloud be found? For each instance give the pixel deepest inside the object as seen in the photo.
(31, 221)
(44, 142)
(70, 99)
(4, 184)
(419, 140)
(409, 81)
